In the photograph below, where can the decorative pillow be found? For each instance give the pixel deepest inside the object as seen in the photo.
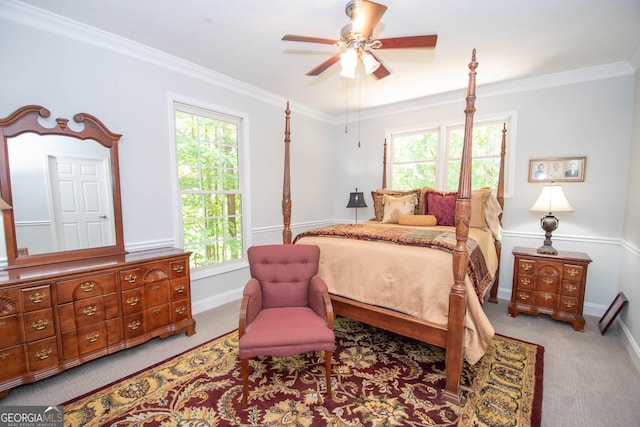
(478, 201)
(442, 205)
(419, 220)
(377, 195)
(422, 207)
(396, 206)
(491, 214)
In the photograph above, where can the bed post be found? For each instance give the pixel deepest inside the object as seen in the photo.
(493, 293)
(286, 185)
(458, 295)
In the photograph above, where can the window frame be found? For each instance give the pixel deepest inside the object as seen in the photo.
(443, 128)
(216, 112)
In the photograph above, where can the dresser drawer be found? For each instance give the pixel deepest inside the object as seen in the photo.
(157, 317)
(39, 324)
(179, 269)
(11, 330)
(545, 299)
(42, 354)
(132, 301)
(131, 278)
(547, 284)
(156, 293)
(92, 338)
(526, 266)
(571, 289)
(568, 304)
(524, 282)
(36, 298)
(134, 325)
(180, 310)
(524, 297)
(179, 289)
(13, 362)
(86, 287)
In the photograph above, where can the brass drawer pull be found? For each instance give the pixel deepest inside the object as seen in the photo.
(90, 311)
(523, 296)
(178, 268)
(4, 355)
(571, 288)
(526, 266)
(2, 323)
(87, 286)
(93, 337)
(133, 301)
(37, 298)
(547, 296)
(131, 278)
(181, 309)
(573, 272)
(525, 281)
(134, 325)
(155, 287)
(179, 289)
(156, 311)
(40, 324)
(43, 354)
(569, 304)
(547, 281)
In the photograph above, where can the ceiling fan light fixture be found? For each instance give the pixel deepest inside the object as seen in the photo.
(369, 62)
(349, 62)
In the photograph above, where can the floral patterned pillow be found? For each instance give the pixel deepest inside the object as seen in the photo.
(396, 206)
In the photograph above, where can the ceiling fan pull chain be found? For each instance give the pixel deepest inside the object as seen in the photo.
(346, 104)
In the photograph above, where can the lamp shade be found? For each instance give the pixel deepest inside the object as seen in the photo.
(551, 199)
(356, 200)
(349, 62)
(370, 63)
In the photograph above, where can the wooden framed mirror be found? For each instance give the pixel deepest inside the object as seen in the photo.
(61, 184)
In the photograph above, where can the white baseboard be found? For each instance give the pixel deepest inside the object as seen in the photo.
(215, 301)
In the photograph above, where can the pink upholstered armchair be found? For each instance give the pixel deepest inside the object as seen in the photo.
(285, 309)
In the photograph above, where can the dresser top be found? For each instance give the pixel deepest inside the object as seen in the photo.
(48, 271)
(562, 255)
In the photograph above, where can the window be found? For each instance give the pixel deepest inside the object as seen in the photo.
(209, 185)
(431, 157)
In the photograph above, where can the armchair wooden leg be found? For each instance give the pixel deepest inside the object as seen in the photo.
(244, 368)
(328, 355)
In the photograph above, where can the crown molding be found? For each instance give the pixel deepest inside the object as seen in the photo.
(31, 16)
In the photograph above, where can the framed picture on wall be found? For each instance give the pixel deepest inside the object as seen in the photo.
(557, 169)
(612, 312)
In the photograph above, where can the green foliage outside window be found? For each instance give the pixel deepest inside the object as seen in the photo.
(415, 163)
(208, 180)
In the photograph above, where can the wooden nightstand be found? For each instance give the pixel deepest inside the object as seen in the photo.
(549, 284)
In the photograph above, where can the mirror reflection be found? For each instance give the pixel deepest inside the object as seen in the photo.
(62, 193)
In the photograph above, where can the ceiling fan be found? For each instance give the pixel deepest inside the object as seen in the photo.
(356, 42)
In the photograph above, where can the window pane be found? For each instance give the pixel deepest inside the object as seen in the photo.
(208, 178)
(410, 176)
(415, 148)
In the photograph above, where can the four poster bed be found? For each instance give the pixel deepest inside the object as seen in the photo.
(414, 276)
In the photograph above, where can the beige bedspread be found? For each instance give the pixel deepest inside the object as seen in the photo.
(409, 279)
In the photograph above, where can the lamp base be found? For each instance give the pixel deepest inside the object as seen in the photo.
(549, 250)
(549, 224)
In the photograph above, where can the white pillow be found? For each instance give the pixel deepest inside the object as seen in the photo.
(396, 206)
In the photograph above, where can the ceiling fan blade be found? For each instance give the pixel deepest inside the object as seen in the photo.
(326, 64)
(381, 72)
(294, 38)
(366, 17)
(409, 42)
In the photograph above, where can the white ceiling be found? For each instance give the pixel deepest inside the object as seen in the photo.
(515, 39)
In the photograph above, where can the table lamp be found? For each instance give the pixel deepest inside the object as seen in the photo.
(551, 199)
(356, 200)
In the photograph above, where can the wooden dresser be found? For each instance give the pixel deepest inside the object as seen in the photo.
(57, 316)
(549, 284)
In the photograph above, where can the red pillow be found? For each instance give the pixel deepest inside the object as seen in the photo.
(442, 205)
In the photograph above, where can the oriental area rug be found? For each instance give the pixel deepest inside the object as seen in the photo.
(379, 379)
